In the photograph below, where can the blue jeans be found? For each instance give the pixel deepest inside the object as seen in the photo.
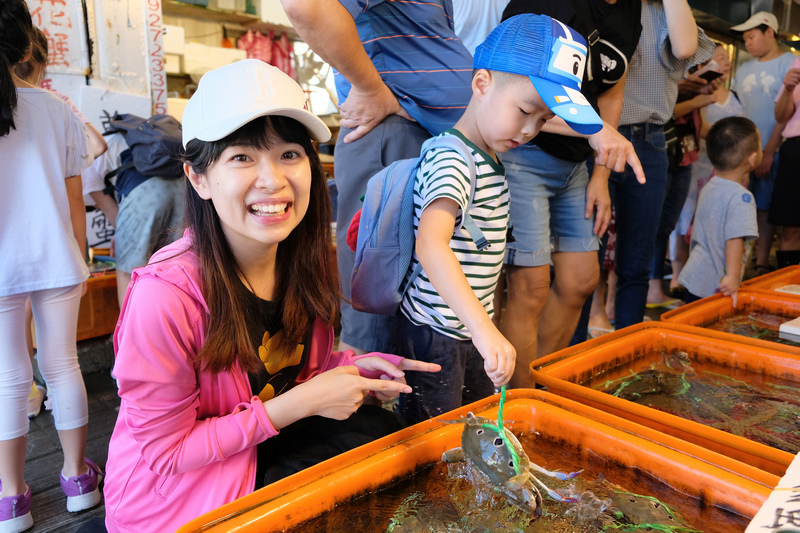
(462, 379)
(638, 211)
(762, 188)
(678, 183)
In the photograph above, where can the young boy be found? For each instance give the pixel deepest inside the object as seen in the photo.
(527, 71)
(725, 221)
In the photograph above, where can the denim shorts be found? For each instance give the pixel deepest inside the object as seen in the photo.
(548, 199)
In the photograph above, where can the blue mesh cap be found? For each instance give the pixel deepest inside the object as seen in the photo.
(552, 55)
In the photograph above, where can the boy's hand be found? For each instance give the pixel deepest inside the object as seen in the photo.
(499, 356)
(729, 284)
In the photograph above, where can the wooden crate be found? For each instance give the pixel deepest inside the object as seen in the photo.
(99, 307)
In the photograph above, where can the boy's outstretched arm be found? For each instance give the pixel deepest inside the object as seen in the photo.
(734, 250)
(436, 227)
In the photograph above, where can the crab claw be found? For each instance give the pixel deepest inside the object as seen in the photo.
(533, 500)
(454, 455)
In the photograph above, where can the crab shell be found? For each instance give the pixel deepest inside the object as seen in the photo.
(489, 452)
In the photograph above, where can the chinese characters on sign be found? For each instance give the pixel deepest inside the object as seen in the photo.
(61, 21)
(98, 230)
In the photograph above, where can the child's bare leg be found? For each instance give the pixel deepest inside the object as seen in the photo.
(73, 443)
(12, 466)
(681, 255)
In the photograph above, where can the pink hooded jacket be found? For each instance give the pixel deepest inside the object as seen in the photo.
(185, 440)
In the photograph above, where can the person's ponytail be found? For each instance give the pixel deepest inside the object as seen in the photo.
(16, 28)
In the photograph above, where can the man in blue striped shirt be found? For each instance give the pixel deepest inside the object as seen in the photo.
(402, 76)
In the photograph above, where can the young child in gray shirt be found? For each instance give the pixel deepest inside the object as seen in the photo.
(725, 221)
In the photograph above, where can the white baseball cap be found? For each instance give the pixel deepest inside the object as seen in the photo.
(229, 97)
(762, 17)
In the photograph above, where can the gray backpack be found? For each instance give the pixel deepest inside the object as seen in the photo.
(385, 245)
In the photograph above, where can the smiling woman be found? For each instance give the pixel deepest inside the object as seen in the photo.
(225, 338)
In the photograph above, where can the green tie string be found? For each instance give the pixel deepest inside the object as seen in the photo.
(500, 410)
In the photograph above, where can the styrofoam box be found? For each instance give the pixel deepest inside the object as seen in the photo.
(200, 58)
(174, 39)
(789, 289)
(790, 330)
(172, 63)
(175, 107)
(230, 5)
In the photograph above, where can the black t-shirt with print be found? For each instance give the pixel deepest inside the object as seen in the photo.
(280, 371)
(618, 27)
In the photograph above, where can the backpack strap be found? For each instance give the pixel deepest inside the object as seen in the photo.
(109, 187)
(452, 142)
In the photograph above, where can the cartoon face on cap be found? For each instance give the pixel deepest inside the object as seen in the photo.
(568, 56)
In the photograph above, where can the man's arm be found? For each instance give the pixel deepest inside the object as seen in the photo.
(331, 32)
(681, 27)
(609, 104)
(613, 150)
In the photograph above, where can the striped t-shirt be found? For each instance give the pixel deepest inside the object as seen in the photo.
(444, 173)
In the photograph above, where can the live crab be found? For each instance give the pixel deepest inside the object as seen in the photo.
(499, 456)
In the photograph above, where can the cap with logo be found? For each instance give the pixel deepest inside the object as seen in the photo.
(230, 96)
(762, 17)
(552, 55)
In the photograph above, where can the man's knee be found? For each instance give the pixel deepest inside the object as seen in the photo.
(577, 284)
(528, 287)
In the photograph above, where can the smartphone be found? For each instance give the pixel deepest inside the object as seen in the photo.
(710, 71)
(710, 75)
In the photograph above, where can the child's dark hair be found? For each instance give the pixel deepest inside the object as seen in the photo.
(38, 55)
(16, 27)
(730, 142)
(307, 280)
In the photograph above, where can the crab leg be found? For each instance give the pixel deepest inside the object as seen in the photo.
(563, 476)
(553, 493)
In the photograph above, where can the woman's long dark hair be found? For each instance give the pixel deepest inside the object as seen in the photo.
(307, 282)
(16, 28)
